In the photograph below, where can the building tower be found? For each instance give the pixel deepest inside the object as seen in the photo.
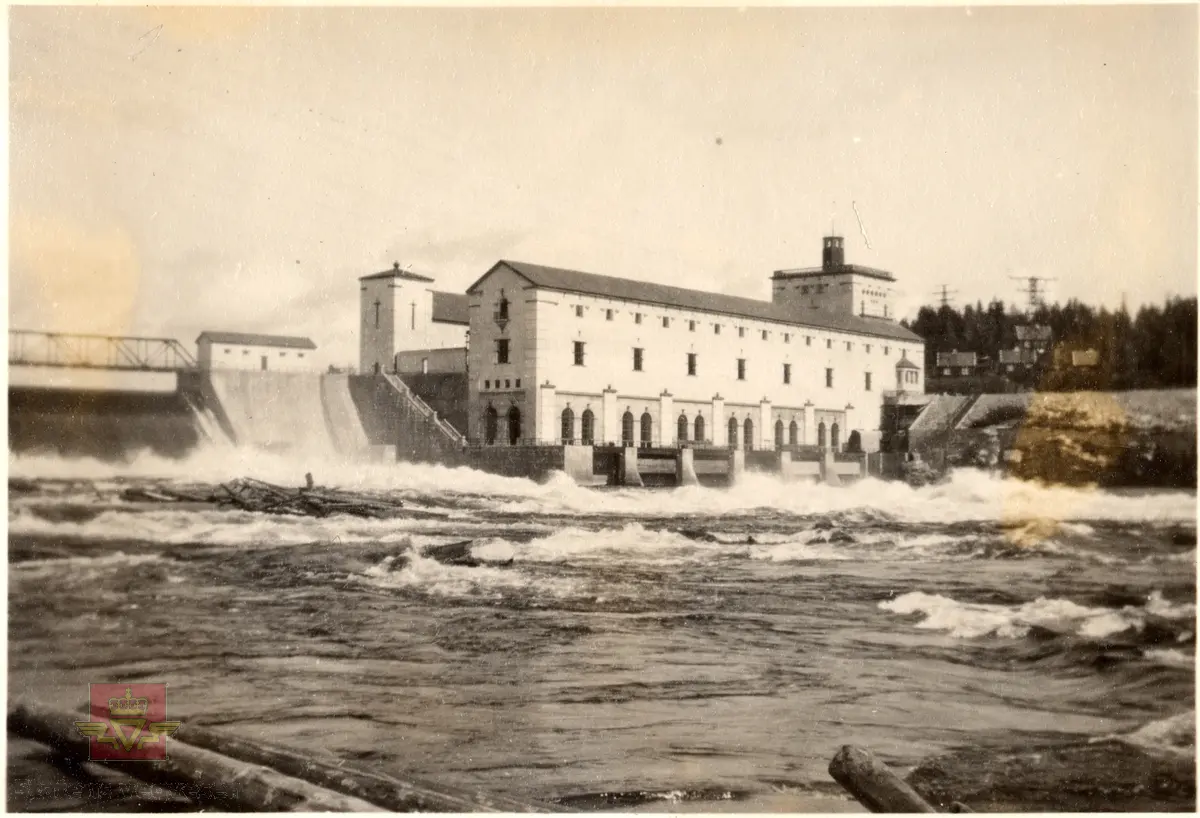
(400, 312)
(835, 287)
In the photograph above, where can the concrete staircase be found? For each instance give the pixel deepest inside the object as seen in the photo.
(452, 435)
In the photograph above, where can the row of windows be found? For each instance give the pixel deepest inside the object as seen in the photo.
(639, 359)
(281, 355)
(487, 384)
(683, 429)
(765, 334)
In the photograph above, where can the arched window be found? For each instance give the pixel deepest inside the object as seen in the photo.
(588, 432)
(833, 436)
(821, 434)
(699, 436)
(681, 429)
(748, 438)
(627, 428)
(793, 434)
(568, 425)
(779, 434)
(490, 423)
(733, 430)
(647, 429)
(514, 426)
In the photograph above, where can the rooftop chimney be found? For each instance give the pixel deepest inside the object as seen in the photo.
(833, 257)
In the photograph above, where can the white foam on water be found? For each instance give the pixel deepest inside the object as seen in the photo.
(233, 528)
(968, 620)
(1174, 735)
(428, 576)
(1170, 657)
(968, 496)
(632, 543)
(79, 565)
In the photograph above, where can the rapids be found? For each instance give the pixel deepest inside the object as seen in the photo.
(693, 642)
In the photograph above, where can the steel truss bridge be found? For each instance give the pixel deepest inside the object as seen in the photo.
(58, 349)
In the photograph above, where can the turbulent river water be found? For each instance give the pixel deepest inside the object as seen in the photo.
(711, 642)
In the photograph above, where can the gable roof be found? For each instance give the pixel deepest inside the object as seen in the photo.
(813, 272)
(396, 272)
(256, 340)
(957, 359)
(451, 308)
(574, 281)
(1033, 332)
(904, 363)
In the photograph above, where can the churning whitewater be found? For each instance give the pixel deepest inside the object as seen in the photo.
(709, 641)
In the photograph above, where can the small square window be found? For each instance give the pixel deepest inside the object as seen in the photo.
(283, 355)
(808, 340)
(487, 384)
(637, 318)
(608, 315)
(849, 346)
(691, 326)
(787, 337)
(868, 349)
(666, 322)
(245, 352)
(829, 343)
(741, 332)
(765, 334)
(716, 329)
(579, 311)
(299, 354)
(887, 350)
(518, 383)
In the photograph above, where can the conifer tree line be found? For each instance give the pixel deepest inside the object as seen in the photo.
(1154, 349)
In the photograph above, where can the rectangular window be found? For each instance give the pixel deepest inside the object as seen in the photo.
(579, 311)
(518, 383)
(502, 351)
(741, 369)
(666, 322)
(887, 350)
(579, 353)
(507, 383)
(868, 349)
(868, 385)
(829, 378)
(808, 340)
(299, 354)
(487, 384)
(716, 329)
(787, 337)
(849, 346)
(227, 350)
(787, 373)
(741, 332)
(691, 326)
(502, 309)
(691, 363)
(283, 355)
(637, 318)
(608, 315)
(829, 343)
(637, 359)
(765, 334)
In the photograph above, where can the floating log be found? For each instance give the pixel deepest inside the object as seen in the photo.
(873, 783)
(202, 775)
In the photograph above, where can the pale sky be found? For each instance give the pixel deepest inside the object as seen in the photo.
(175, 170)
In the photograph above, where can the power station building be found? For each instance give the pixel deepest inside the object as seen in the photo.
(559, 356)
(245, 350)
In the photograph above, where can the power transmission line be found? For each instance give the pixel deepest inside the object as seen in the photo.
(945, 296)
(1033, 289)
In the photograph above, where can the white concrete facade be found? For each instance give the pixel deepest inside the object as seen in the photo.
(698, 365)
(396, 314)
(259, 353)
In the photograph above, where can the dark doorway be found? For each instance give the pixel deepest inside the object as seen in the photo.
(514, 426)
(491, 420)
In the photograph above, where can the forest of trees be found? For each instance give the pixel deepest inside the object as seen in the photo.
(1154, 349)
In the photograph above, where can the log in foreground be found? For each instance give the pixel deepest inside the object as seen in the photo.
(873, 783)
(208, 778)
(234, 774)
(248, 494)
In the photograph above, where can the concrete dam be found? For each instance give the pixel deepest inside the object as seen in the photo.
(350, 416)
